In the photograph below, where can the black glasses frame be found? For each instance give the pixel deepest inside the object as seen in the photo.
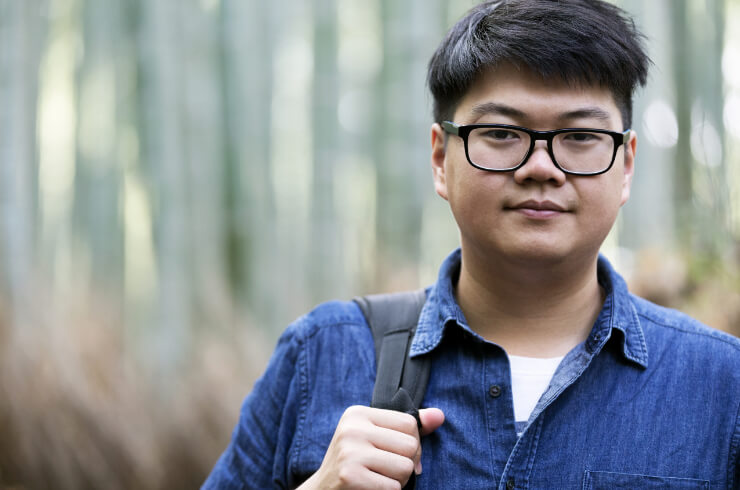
(464, 131)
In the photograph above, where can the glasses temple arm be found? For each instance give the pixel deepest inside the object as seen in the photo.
(626, 136)
(450, 127)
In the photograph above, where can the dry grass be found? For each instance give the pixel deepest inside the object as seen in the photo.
(77, 411)
(706, 289)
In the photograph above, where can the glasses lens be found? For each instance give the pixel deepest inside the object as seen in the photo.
(497, 148)
(583, 151)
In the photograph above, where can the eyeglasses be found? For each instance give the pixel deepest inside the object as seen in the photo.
(505, 148)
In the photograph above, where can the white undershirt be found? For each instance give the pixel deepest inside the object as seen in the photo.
(530, 377)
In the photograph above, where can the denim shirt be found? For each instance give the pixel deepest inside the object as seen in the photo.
(650, 400)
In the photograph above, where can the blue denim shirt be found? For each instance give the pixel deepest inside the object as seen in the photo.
(650, 400)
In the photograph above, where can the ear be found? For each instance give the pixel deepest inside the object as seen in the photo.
(439, 152)
(628, 171)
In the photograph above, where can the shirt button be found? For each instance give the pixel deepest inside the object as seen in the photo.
(494, 391)
(510, 485)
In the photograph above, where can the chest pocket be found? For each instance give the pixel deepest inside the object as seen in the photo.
(598, 480)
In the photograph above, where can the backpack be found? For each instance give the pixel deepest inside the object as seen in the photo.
(400, 382)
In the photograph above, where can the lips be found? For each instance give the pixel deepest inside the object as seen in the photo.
(538, 209)
(539, 206)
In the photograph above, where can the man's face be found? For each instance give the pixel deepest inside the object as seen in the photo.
(536, 214)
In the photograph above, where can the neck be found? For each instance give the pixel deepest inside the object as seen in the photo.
(536, 309)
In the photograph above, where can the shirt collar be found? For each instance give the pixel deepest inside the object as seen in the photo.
(439, 309)
(618, 313)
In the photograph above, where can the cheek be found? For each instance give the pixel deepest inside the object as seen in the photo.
(606, 188)
(600, 204)
(475, 199)
(472, 188)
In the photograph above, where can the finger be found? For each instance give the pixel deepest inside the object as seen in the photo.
(391, 419)
(370, 480)
(431, 419)
(390, 464)
(396, 442)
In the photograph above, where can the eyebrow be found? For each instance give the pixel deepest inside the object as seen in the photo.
(495, 108)
(586, 113)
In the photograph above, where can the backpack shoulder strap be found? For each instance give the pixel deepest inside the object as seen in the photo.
(400, 381)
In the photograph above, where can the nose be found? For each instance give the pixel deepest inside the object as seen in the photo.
(539, 167)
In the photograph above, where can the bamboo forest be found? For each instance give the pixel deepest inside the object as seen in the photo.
(181, 179)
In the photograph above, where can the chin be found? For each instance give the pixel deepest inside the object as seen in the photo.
(539, 257)
(544, 253)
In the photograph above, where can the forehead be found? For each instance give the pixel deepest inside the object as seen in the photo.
(526, 97)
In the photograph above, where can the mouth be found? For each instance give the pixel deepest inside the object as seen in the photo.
(538, 209)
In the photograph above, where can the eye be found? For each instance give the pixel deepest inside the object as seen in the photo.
(583, 137)
(500, 134)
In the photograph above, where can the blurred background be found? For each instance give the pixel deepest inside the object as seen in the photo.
(180, 179)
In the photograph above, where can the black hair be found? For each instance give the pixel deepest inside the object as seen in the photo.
(579, 41)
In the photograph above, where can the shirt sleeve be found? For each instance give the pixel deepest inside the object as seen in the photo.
(257, 454)
(734, 466)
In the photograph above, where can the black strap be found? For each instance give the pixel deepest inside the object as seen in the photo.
(400, 381)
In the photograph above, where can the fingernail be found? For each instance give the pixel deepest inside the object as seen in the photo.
(417, 468)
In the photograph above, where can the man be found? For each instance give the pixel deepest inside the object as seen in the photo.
(546, 372)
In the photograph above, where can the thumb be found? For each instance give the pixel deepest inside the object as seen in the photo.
(431, 418)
